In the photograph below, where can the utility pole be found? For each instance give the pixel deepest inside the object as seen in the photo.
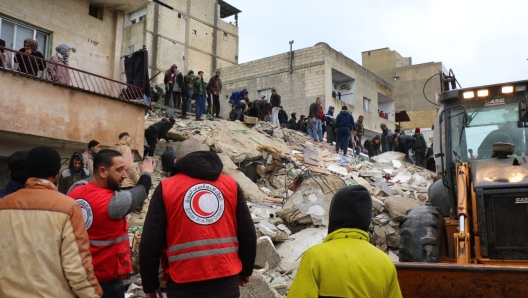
(291, 56)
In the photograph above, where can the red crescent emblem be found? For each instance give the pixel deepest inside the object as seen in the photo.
(196, 205)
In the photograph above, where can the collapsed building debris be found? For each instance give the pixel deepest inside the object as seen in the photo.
(288, 182)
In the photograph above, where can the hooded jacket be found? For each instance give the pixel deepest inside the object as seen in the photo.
(384, 139)
(275, 100)
(345, 119)
(51, 237)
(207, 166)
(283, 117)
(69, 175)
(373, 148)
(292, 123)
(346, 264)
(329, 113)
(237, 96)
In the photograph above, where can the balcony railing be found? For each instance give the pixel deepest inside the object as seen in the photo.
(60, 74)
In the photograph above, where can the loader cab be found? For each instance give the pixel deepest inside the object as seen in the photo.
(470, 122)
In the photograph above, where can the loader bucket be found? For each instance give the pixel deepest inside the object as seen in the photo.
(452, 280)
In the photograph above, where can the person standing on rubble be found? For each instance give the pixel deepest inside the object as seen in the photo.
(345, 127)
(200, 220)
(215, 88)
(16, 164)
(106, 207)
(283, 116)
(199, 93)
(317, 116)
(329, 127)
(75, 172)
(45, 248)
(173, 80)
(88, 156)
(187, 92)
(123, 147)
(156, 132)
(385, 131)
(346, 264)
(262, 106)
(275, 101)
(360, 130)
(292, 123)
(419, 147)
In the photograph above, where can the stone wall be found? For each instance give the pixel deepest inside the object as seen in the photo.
(311, 78)
(188, 42)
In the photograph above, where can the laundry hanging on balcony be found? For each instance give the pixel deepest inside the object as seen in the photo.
(136, 70)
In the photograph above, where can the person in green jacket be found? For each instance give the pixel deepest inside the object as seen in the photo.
(419, 147)
(346, 264)
(200, 94)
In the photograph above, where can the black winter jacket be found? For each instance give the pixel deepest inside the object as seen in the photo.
(207, 166)
(275, 100)
(162, 128)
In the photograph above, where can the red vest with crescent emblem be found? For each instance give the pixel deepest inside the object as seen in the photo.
(202, 241)
(109, 243)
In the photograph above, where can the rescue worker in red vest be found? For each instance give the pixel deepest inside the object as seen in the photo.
(104, 208)
(199, 220)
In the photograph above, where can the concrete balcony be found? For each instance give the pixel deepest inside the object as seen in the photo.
(124, 6)
(37, 110)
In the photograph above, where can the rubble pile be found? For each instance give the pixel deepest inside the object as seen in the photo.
(289, 181)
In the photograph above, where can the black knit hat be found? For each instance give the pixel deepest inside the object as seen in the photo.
(17, 164)
(351, 207)
(43, 162)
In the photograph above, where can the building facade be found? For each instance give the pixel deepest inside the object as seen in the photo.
(408, 81)
(318, 71)
(66, 115)
(193, 35)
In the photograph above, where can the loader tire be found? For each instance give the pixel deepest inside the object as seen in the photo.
(422, 235)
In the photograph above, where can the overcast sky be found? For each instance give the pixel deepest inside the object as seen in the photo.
(484, 42)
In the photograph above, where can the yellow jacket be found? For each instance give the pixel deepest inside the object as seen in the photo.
(345, 265)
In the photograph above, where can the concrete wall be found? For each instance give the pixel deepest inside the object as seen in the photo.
(50, 114)
(408, 85)
(177, 42)
(367, 85)
(311, 78)
(68, 22)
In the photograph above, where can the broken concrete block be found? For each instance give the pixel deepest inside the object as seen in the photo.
(266, 253)
(259, 287)
(397, 164)
(382, 218)
(394, 257)
(388, 157)
(292, 250)
(317, 212)
(278, 193)
(265, 190)
(393, 241)
(363, 183)
(249, 189)
(276, 234)
(398, 206)
(402, 177)
(377, 206)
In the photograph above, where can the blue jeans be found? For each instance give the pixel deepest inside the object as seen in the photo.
(409, 154)
(317, 130)
(190, 98)
(200, 105)
(342, 138)
(113, 289)
(319, 123)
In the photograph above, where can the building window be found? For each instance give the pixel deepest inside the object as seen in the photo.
(131, 50)
(265, 92)
(395, 78)
(182, 16)
(225, 36)
(366, 104)
(194, 31)
(14, 34)
(133, 21)
(141, 18)
(96, 12)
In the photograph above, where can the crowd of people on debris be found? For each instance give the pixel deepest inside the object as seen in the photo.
(341, 128)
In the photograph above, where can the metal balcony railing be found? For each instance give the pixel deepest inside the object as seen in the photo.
(61, 74)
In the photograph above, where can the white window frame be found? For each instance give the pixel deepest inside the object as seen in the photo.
(367, 103)
(266, 92)
(45, 46)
